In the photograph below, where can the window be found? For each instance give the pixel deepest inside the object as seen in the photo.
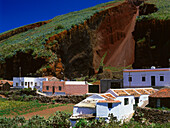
(161, 78)
(31, 83)
(130, 79)
(47, 87)
(59, 88)
(143, 78)
(25, 83)
(109, 105)
(22, 83)
(126, 101)
(16, 84)
(35, 83)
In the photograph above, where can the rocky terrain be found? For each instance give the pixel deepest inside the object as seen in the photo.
(107, 35)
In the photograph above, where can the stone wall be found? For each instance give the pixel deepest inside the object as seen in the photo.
(152, 115)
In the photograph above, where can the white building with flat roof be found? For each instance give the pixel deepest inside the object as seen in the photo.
(28, 82)
(154, 77)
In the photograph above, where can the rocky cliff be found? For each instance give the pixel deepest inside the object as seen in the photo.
(64, 48)
(107, 32)
(152, 40)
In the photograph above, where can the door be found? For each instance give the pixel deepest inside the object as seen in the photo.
(152, 80)
(53, 89)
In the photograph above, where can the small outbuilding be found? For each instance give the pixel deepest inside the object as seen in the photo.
(106, 84)
(5, 85)
(160, 98)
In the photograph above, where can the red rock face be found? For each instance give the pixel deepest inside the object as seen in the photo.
(82, 47)
(114, 37)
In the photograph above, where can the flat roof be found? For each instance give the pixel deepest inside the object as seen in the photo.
(146, 70)
(87, 103)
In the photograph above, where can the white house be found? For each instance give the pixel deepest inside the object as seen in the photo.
(101, 105)
(154, 77)
(28, 82)
(140, 94)
(119, 102)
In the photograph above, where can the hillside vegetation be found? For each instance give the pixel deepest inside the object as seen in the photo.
(34, 39)
(163, 12)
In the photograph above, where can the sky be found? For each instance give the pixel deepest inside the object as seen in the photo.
(16, 13)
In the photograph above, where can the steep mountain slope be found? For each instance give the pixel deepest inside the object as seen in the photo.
(152, 35)
(76, 44)
(66, 45)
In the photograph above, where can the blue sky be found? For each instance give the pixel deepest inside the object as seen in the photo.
(16, 13)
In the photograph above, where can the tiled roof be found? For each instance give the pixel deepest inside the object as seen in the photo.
(120, 92)
(142, 91)
(163, 93)
(151, 91)
(109, 101)
(133, 92)
(110, 95)
(107, 96)
(146, 70)
(4, 81)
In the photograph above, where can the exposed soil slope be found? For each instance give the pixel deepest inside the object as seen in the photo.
(82, 47)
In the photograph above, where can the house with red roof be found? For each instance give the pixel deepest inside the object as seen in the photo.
(119, 102)
(140, 94)
(154, 77)
(160, 98)
(102, 105)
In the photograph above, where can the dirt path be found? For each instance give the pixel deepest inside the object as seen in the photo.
(2, 96)
(48, 112)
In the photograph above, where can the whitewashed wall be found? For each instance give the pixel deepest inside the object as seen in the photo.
(119, 110)
(37, 80)
(83, 110)
(137, 78)
(142, 99)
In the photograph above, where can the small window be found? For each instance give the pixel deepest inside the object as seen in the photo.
(130, 79)
(22, 83)
(161, 78)
(59, 88)
(47, 87)
(25, 83)
(35, 83)
(143, 78)
(109, 105)
(126, 101)
(28, 84)
(16, 84)
(31, 83)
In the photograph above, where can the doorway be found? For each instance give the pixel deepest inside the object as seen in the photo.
(53, 89)
(152, 80)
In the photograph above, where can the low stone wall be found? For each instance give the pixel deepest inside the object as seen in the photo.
(152, 115)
